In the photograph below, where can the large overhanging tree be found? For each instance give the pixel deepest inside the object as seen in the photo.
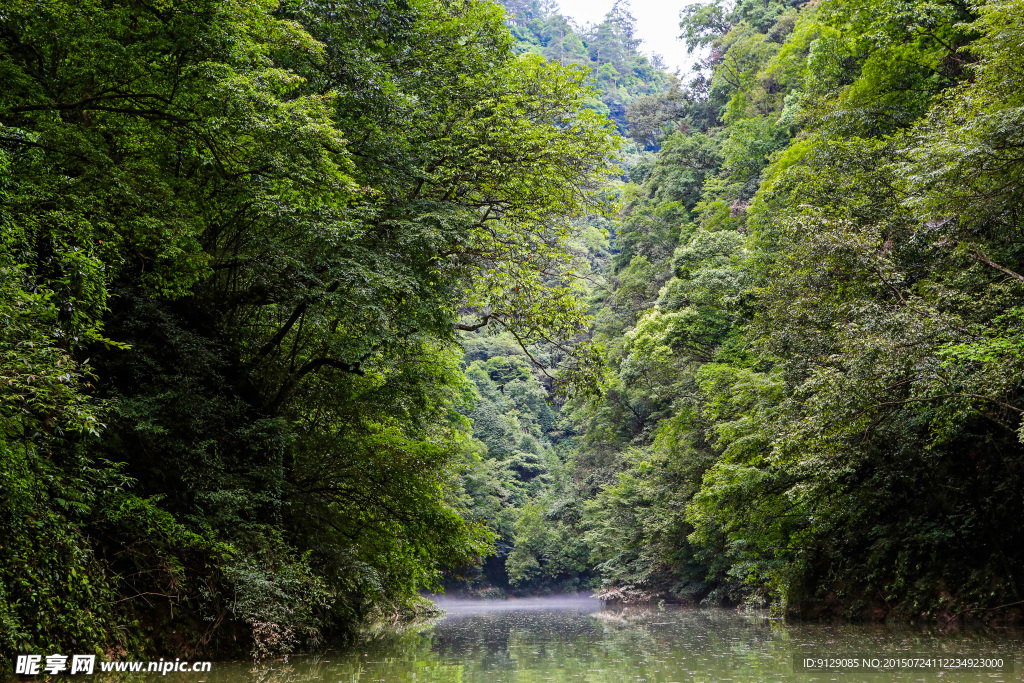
(287, 212)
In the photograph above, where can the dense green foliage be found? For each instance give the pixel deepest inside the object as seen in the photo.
(607, 51)
(238, 241)
(812, 334)
(306, 307)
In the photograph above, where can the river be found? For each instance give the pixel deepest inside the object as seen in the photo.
(553, 639)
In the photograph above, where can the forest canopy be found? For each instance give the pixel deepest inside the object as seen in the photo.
(810, 312)
(309, 307)
(238, 242)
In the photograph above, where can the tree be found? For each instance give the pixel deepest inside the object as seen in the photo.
(262, 224)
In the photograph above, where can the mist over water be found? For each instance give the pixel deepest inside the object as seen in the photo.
(456, 607)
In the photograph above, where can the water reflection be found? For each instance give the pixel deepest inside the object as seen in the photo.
(577, 640)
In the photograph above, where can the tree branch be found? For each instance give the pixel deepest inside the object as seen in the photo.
(286, 328)
(473, 328)
(294, 378)
(980, 255)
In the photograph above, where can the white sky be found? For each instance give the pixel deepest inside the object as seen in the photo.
(657, 23)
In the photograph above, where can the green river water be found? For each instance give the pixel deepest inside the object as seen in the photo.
(578, 640)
